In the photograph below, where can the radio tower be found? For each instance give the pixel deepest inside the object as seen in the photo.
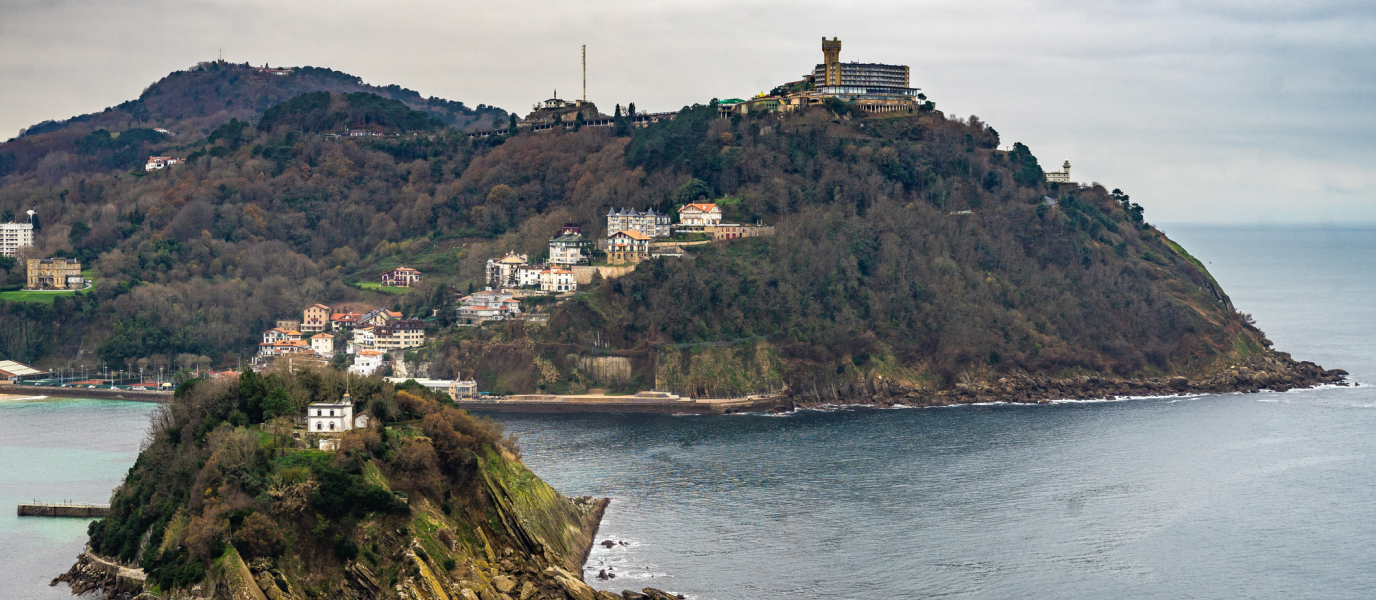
(585, 72)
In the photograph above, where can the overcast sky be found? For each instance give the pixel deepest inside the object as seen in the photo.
(1242, 111)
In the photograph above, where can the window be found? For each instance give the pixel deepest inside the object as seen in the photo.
(331, 426)
(319, 425)
(331, 413)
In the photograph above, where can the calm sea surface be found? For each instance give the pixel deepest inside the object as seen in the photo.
(1233, 496)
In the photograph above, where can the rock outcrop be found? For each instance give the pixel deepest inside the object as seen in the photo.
(1275, 372)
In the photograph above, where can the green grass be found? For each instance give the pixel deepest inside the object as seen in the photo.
(46, 297)
(378, 287)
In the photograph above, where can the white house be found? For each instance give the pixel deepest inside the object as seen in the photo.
(326, 417)
(502, 271)
(557, 280)
(527, 275)
(323, 344)
(699, 214)
(568, 247)
(277, 334)
(366, 362)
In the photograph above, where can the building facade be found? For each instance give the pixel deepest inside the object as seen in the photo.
(14, 236)
(501, 272)
(859, 80)
(651, 223)
(326, 417)
(627, 247)
(315, 318)
(366, 362)
(1062, 176)
(323, 345)
(699, 214)
(55, 274)
(557, 280)
(569, 247)
(402, 333)
(401, 277)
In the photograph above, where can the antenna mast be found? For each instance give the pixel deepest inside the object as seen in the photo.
(585, 72)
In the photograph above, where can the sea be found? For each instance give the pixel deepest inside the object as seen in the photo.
(1269, 495)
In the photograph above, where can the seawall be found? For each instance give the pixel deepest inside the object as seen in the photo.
(627, 404)
(78, 393)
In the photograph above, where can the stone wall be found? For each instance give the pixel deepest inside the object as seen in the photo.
(583, 274)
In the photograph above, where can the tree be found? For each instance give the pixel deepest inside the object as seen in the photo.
(692, 191)
(276, 404)
(79, 230)
(512, 127)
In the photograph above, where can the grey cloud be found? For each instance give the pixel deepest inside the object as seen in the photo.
(1214, 111)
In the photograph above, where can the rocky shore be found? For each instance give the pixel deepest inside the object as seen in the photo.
(93, 573)
(1275, 371)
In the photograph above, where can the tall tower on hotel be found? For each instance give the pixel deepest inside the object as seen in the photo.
(831, 53)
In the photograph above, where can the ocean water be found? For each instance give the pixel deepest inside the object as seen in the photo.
(1228, 496)
(56, 450)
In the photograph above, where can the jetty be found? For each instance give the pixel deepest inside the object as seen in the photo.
(63, 509)
(643, 402)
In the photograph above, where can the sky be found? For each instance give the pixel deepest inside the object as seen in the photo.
(1209, 111)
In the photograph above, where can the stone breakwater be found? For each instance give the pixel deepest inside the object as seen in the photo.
(1275, 372)
(93, 573)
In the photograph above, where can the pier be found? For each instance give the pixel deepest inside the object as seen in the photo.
(62, 509)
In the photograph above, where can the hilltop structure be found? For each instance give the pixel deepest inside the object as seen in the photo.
(872, 87)
(556, 109)
(1062, 176)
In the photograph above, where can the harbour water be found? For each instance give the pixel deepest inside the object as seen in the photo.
(58, 450)
(1257, 495)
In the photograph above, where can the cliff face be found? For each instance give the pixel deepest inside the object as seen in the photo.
(434, 506)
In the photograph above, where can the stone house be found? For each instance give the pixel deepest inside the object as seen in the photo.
(55, 274)
(627, 246)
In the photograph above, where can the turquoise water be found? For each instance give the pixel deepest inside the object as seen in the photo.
(54, 450)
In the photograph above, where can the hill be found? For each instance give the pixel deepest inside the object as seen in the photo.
(914, 259)
(228, 500)
(189, 105)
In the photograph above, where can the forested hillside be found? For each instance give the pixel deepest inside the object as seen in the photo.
(189, 105)
(907, 245)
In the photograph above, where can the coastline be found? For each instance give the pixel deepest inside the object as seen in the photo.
(1277, 373)
(88, 394)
